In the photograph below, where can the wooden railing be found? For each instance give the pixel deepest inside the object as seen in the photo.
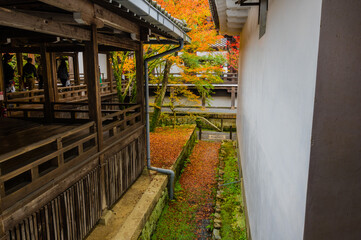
(73, 93)
(115, 123)
(70, 93)
(28, 168)
(228, 78)
(30, 96)
(25, 109)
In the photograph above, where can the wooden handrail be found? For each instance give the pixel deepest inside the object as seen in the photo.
(17, 152)
(120, 112)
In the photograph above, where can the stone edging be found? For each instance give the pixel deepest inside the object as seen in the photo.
(141, 223)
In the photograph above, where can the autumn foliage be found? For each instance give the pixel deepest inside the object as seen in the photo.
(188, 215)
(233, 53)
(166, 144)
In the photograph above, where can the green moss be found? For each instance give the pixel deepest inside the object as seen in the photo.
(232, 213)
(152, 221)
(177, 220)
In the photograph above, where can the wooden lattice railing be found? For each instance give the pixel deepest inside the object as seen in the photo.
(65, 94)
(115, 123)
(28, 168)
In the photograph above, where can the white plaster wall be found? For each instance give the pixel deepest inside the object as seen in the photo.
(277, 87)
(102, 62)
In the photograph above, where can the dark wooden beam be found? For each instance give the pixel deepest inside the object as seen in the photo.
(124, 43)
(20, 64)
(48, 84)
(110, 71)
(76, 69)
(91, 12)
(91, 71)
(15, 19)
(2, 90)
(54, 76)
(140, 79)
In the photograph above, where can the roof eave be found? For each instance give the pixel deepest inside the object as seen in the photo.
(155, 15)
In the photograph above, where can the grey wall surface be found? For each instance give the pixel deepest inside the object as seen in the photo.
(275, 112)
(334, 190)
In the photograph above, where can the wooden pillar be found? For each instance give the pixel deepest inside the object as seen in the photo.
(48, 83)
(233, 97)
(54, 76)
(20, 64)
(140, 79)
(76, 69)
(109, 72)
(2, 82)
(91, 73)
(2, 97)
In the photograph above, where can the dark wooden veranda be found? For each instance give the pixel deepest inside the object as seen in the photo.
(69, 153)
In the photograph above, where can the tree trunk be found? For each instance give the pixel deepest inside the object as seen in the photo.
(158, 102)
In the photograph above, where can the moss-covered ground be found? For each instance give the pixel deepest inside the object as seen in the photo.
(232, 209)
(187, 216)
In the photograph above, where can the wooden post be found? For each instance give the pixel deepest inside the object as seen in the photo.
(109, 72)
(2, 82)
(91, 71)
(76, 69)
(233, 97)
(54, 76)
(19, 65)
(140, 79)
(48, 85)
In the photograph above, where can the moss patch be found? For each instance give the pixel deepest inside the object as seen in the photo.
(232, 208)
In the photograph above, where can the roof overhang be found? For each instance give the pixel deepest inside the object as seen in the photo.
(228, 16)
(151, 12)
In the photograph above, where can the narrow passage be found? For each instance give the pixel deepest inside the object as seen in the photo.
(188, 215)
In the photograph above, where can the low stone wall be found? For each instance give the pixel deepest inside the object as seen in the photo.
(153, 219)
(186, 152)
(151, 223)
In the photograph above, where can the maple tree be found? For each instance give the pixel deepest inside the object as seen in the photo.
(233, 53)
(201, 71)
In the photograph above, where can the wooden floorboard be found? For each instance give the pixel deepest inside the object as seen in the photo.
(15, 133)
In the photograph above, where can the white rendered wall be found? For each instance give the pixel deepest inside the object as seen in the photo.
(276, 99)
(102, 63)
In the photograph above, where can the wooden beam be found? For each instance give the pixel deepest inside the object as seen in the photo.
(140, 79)
(124, 43)
(2, 90)
(91, 71)
(54, 76)
(48, 84)
(110, 72)
(76, 69)
(20, 64)
(90, 12)
(115, 21)
(15, 19)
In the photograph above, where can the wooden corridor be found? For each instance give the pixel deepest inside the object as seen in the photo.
(69, 153)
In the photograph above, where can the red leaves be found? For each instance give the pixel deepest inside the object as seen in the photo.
(194, 200)
(166, 144)
(199, 178)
